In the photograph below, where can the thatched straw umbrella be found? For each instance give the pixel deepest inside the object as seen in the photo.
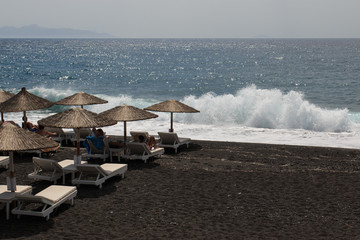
(172, 106)
(13, 138)
(81, 99)
(76, 118)
(3, 97)
(24, 101)
(127, 113)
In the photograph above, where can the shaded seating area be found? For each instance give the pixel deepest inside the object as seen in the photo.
(51, 170)
(7, 197)
(49, 199)
(95, 174)
(4, 161)
(141, 151)
(171, 140)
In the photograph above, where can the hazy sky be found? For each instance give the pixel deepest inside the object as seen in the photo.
(191, 18)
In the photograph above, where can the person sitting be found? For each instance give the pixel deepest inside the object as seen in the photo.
(151, 143)
(112, 144)
(31, 127)
(41, 131)
(97, 141)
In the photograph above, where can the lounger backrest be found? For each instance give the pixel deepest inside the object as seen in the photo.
(136, 134)
(106, 145)
(168, 138)
(47, 164)
(91, 169)
(138, 148)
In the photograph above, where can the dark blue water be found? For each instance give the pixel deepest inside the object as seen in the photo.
(325, 71)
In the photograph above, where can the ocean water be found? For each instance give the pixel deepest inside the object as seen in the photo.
(283, 91)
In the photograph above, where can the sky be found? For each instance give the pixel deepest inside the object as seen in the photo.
(191, 18)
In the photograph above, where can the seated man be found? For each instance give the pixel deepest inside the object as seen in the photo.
(97, 141)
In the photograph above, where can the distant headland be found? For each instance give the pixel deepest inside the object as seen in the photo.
(35, 31)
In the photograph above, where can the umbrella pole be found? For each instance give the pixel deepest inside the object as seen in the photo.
(2, 116)
(11, 181)
(124, 132)
(77, 141)
(25, 120)
(125, 150)
(171, 123)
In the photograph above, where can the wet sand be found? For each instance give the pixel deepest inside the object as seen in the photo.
(212, 190)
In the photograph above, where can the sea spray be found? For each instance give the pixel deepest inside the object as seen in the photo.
(266, 108)
(249, 107)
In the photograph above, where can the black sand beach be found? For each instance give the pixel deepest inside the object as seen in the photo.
(212, 190)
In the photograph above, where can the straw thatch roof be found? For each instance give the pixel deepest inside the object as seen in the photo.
(13, 138)
(76, 118)
(5, 95)
(172, 106)
(127, 113)
(24, 101)
(81, 98)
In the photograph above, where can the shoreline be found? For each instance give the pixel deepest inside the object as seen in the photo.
(212, 190)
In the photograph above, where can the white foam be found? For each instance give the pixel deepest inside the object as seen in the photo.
(250, 115)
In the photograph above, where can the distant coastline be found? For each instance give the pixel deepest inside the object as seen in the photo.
(35, 31)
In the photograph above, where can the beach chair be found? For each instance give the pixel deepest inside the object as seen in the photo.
(42, 152)
(7, 197)
(60, 134)
(51, 170)
(49, 199)
(171, 140)
(135, 135)
(141, 151)
(4, 161)
(96, 153)
(84, 132)
(94, 174)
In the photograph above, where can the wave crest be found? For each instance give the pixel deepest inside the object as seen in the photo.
(266, 108)
(249, 107)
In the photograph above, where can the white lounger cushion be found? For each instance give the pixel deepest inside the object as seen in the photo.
(171, 140)
(46, 169)
(141, 151)
(6, 196)
(100, 173)
(51, 197)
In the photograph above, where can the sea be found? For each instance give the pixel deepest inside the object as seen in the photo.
(276, 91)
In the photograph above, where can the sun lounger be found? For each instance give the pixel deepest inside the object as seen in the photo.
(6, 196)
(94, 174)
(50, 198)
(96, 153)
(4, 161)
(171, 140)
(51, 170)
(141, 151)
(135, 135)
